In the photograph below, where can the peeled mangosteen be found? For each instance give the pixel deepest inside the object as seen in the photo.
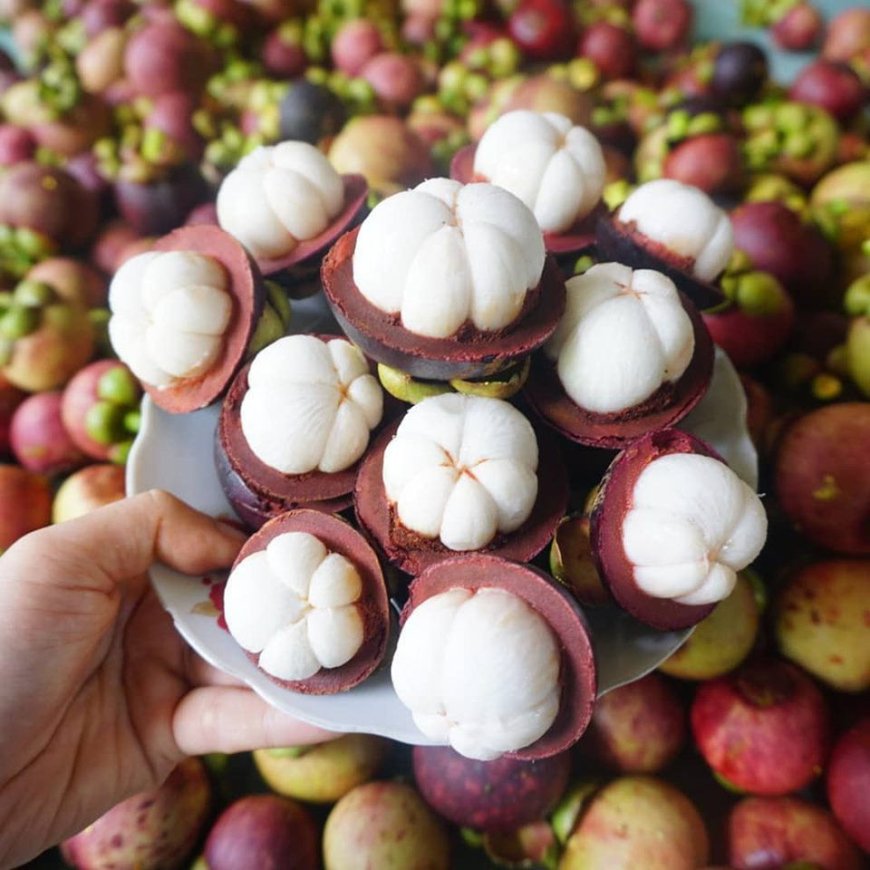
(532, 688)
(307, 601)
(664, 543)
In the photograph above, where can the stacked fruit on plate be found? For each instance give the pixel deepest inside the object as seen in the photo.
(531, 223)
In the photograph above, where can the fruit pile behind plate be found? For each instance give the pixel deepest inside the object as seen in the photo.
(531, 221)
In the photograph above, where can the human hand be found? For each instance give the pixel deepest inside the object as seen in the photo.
(99, 696)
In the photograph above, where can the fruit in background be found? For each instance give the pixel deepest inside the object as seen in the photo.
(759, 411)
(362, 830)
(662, 25)
(638, 821)
(39, 440)
(396, 79)
(848, 34)
(262, 831)
(101, 410)
(799, 28)
(712, 162)
(822, 478)
(831, 85)
(763, 729)
(110, 243)
(769, 833)
(500, 795)
(739, 72)
(821, 622)
(841, 203)
(637, 728)
(354, 44)
(16, 144)
(721, 641)
(86, 490)
(72, 280)
(325, 772)
(610, 47)
(10, 398)
(848, 775)
(25, 503)
(156, 828)
(543, 29)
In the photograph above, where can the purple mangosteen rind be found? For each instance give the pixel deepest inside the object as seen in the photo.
(338, 536)
(412, 553)
(249, 296)
(577, 239)
(257, 491)
(478, 354)
(621, 243)
(612, 504)
(578, 672)
(356, 191)
(664, 408)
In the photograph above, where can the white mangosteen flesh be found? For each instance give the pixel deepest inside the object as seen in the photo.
(623, 335)
(279, 196)
(683, 219)
(555, 167)
(170, 311)
(295, 604)
(692, 525)
(478, 670)
(462, 469)
(310, 405)
(446, 254)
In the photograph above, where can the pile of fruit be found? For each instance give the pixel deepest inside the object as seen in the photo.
(132, 132)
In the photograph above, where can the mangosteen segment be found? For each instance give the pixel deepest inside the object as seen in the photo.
(671, 526)
(445, 256)
(493, 658)
(183, 314)
(278, 197)
(471, 353)
(679, 387)
(306, 599)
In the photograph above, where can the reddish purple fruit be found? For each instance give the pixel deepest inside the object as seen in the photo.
(355, 43)
(848, 779)
(799, 29)
(831, 85)
(495, 795)
(662, 25)
(763, 728)
(25, 503)
(16, 144)
(611, 48)
(770, 833)
(40, 441)
(712, 162)
(395, 78)
(543, 29)
(848, 34)
(263, 830)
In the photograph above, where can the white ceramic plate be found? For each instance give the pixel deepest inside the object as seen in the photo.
(174, 452)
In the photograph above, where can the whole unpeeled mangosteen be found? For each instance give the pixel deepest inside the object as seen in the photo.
(100, 410)
(25, 503)
(307, 466)
(283, 54)
(764, 728)
(610, 47)
(847, 34)
(39, 440)
(263, 830)
(354, 44)
(72, 280)
(318, 568)
(822, 479)
(99, 15)
(310, 113)
(396, 79)
(833, 86)
(662, 25)
(767, 833)
(712, 162)
(158, 828)
(819, 622)
(847, 774)
(10, 398)
(543, 29)
(799, 28)
(213, 297)
(172, 115)
(86, 490)
(109, 244)
(532, 651)
(49, 201)
(384, 824)
(17, 144)
(669, 483)
(161, 205)
(499, 795)
(777, 241)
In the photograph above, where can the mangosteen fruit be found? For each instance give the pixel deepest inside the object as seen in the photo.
(25, 503)
(834, 86)
(310, 112)
(294, 426)
(183, 315)
(286, 204)
(662, 25)
(630, 354)
(460, 473)
(39, 440)
(671, 526)
(675, 229)
(555, 167)
(847, 775)
(86, 490)
(798, 28)
(307, 601)
(445, 281)
(532, 686)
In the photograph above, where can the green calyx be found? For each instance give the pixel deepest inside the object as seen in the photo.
(857, 299)
(34, 294)
(118, 386)
(758, 294)
(19, 321)
(104, 423)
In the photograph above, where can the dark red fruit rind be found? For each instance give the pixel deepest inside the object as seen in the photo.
(338, 536)
(578, 675)
(613, 502)
(578, 238)
(381, 336)
(248, 294)
(356, 191)
(414, 553)
(256, 490)
(664, 408)
(623, 244)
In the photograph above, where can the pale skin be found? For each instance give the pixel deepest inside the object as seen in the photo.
(99, 696)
